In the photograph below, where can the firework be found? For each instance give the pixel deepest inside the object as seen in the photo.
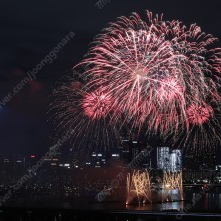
(172, 182)
(86, 113)
(96, 104)
(198, 115)
(152, 74)
(204, 132)
(154, 70)
(138, 187)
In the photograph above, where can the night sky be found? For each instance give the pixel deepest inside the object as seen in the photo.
(29, 30)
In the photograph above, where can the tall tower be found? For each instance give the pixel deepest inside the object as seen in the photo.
(163, 158)
(169, 161)
(176, 161)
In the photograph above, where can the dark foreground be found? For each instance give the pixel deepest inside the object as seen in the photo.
(15, 214)
(47, 208)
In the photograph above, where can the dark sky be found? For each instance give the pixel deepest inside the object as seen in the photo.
(29, 30)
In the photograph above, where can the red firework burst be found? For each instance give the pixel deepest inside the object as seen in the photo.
(198, 115)
(153, 74)
(96, 104)
(154, 70)
(170, 89)
(84, 112)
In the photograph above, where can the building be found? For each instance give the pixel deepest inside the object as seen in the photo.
(130, 149)
(125, 150)
(169, 160)
(176, 160)
(163, 158)
(12, 167)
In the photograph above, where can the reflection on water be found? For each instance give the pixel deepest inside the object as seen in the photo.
(178, 206)
(208, 202)
(212, 201)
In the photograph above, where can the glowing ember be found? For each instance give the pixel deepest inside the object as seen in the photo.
(154, 69)
(198, 114)
(138, 187)
(96, 104)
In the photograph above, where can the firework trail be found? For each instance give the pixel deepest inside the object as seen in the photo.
(154, 74)
(155, 70)
(198, 115)
(86, 113)
(96, 104)
(204, 133)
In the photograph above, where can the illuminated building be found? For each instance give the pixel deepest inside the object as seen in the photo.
(163, 158)
(176, 160)
(169, 160)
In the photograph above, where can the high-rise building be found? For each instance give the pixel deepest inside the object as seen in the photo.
(163, 158)
(131, 149)
(169, 160)
(125, 153)
(176, 160)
